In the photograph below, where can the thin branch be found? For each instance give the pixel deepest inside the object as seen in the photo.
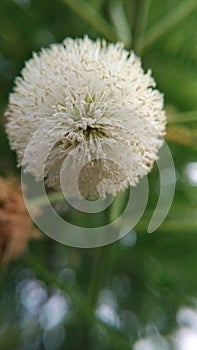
(141, 23)
(185, 117)
(182, 135)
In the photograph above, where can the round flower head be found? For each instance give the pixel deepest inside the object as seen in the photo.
(93, 106)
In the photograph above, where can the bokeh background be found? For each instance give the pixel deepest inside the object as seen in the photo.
(141, 292)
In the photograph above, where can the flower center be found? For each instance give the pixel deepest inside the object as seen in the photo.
(92, 131)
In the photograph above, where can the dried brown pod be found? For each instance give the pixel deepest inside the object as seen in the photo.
(16, 226)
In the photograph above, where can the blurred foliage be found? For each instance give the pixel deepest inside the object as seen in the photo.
(56, 297)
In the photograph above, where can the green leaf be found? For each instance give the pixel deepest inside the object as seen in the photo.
(84, 10)
(120, 22)
(178, 14)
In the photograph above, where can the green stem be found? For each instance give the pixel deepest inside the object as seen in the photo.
(183, 9)
(97, 279)
(103, 256)
(117, 339)
(99, 273)
(92, 17)
(100, 267)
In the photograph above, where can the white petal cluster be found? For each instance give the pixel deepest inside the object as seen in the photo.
(90, 103)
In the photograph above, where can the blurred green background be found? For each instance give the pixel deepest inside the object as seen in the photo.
(141, 292)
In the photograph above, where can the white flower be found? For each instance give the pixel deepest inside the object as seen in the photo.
(87, 100)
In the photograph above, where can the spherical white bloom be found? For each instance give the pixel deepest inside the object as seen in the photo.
(90, 103)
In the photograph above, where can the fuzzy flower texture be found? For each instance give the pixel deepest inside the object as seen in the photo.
(91, 103)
